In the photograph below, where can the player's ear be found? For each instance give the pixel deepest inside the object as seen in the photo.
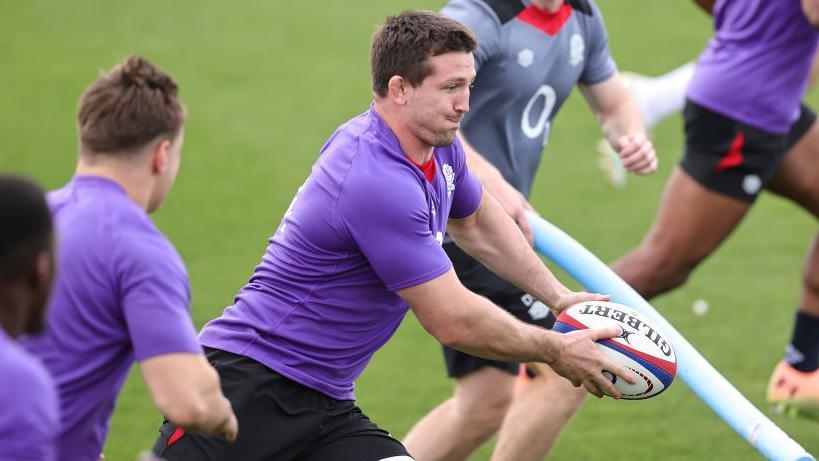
(397, 89)
(43, 270)
(159, 156)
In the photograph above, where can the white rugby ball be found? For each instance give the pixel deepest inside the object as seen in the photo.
(642, 347)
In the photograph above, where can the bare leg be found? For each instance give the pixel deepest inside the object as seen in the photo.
(537, 416)
(457, 427)
(794, 385)
(798, 180)
(691, 223)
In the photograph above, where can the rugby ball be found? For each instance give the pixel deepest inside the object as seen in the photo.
(642, 347)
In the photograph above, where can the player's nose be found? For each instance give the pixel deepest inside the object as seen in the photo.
(462, 103)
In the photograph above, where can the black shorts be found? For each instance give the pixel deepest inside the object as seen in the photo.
(520, 304)
(733, 158)
(280, 419)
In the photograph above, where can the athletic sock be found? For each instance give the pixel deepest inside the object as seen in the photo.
(803, 351)
(662, 96)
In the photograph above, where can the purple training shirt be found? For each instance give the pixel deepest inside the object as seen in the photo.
(755, 68)
(364, 225)
(121, 294)
(29, 411)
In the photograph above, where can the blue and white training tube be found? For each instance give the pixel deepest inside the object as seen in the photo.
(692, 368)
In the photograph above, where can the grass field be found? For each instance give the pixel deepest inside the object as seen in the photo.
(267, 82)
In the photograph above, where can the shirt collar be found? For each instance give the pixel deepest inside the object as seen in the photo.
(96, 181)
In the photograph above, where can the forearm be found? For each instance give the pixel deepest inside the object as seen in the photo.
(463, 320)
(492, 238)
(217, 408)
(492, 333)
(185, 388)
(615, 110)
(622, 119)
(466, 321)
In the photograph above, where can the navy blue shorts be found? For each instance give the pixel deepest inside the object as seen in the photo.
(279, 419)
(733, 158)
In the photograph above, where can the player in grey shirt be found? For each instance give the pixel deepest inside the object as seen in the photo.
(530, 55)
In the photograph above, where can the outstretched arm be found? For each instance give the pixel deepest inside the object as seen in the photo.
(471, 323)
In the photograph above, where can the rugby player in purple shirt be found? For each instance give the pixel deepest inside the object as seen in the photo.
(359, 246)
(29, 411)
(122, 292)
(745, 132)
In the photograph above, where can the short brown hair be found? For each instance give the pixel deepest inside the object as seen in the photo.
(402, 45)
(129, 106)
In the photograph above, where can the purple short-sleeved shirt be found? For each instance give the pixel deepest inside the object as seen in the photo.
(364, 225)
(121, 294)
(29, 411)
(755, 68)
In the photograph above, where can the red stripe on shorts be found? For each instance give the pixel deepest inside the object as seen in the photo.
(734, 157)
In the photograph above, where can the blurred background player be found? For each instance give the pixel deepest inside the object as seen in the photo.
(658, 98)
(359, 245)
(29, 411)
(529, 58)
(745, 132)
(122, 291)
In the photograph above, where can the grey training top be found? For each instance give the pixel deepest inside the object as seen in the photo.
(528, 60)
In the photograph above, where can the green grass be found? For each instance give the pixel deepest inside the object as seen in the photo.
(267, 82)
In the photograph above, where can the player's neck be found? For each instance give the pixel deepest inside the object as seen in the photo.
(136, 183)
(549, 5)
(417, 150)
